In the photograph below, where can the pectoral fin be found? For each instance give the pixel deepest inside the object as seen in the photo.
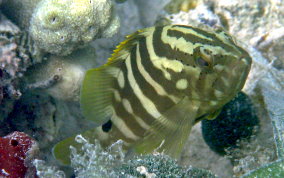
(169, 132)
(97, 92)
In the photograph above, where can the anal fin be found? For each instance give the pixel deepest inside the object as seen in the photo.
(61, 151)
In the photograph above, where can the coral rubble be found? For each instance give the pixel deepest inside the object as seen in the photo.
(17, 150)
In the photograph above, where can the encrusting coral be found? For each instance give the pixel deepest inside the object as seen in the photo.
(60, 26)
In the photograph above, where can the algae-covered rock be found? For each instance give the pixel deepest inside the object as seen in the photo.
(60, 26)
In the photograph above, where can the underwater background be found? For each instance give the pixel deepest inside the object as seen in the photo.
(46, 46)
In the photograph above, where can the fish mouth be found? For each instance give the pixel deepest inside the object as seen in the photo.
(230, 82)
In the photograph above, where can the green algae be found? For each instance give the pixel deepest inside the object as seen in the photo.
(275, 170)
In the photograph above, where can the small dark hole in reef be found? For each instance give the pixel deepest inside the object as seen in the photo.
(56, 77)
(17, 94)
(53, 19)
(14, 142)
(107, 126)
(1, 73)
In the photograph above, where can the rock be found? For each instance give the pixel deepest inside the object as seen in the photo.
(257, 22)
(19, 11)
(61, 76)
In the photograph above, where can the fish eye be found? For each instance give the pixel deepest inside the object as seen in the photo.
(202, 62)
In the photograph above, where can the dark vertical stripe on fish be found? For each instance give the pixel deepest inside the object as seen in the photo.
(155, 73)
(161, 102)
(136, 104)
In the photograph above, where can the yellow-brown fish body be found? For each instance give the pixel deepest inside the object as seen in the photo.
(159, 82)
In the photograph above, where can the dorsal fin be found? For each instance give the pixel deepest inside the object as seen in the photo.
(127, 44)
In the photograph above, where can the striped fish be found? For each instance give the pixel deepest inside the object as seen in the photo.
(158, 83)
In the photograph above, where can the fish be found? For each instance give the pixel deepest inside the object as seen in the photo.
(157, 84)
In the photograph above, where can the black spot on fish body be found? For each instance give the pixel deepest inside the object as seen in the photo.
(107, 126)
